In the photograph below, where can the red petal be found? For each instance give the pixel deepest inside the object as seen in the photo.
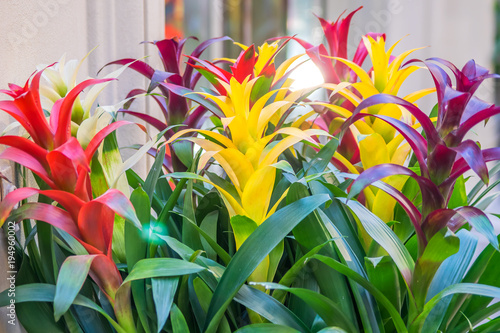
(26, 159)
(63, 130)
(95, 223)
(63, 171)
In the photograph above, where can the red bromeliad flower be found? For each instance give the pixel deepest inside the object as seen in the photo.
(52, 153)
(59, 160)
(89, 222)
(336, 34)
(443, 155)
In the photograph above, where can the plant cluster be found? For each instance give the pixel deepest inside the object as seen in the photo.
(351, 214)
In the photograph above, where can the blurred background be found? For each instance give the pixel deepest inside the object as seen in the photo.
(34, 32)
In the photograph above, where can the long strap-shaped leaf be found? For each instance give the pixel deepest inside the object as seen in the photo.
(384, 236)
(381, 298)
(41, 292)
(459, 288)
(254, 250)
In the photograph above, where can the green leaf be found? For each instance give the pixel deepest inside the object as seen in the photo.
(328, 310)
(31, 315)
(266, 328)
(310, 233)
(72, 275)
(163, 296)
(379, 296)
(179, 324)
(154, 173)
(209, 227)
(451, 271)
(184, 151)
(459, 288)
(386, 238)
(320, 161)
(190, 236)
(332, 330)
(251, 298)
(204, 295)
(254, 250)
(269, 308)
(136, 249)
(161, 267)
(215, 246)
(41, 292)
(459, 194)
(441, 246)
(383, 274)
(295, 270)
(367, 307)
(283, 165)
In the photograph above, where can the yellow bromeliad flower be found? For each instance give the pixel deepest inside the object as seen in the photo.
(247, 155)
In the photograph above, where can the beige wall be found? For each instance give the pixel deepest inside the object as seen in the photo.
(34, 32)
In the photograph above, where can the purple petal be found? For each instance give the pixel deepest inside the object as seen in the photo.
(408, 206)
(137, 65)
(168, 54)
(471, 153)
(196, 54)
(431, 197)
(414, 139)
(478, 219)
(436, 221)
(461, 166)
(427, 125)
(474, 120)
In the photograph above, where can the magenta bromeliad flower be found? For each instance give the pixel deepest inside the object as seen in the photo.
(443, 155)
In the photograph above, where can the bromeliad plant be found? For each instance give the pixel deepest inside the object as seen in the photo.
(258, 228)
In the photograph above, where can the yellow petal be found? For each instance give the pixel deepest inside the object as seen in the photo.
(383, 205)
(240, 165)
(401, 154)
(343, 112)
(365, 89)
(214, 135)
(256, 110)
(414, 96)
(295, 135)
(380, 60)
(224, 103)
(397, 80)
(267, 112)
(360, 72)
(284, 67)
(257, 194)
(297, 123)
(396, 63)
(373, 151)
(349, 95)
(381, 127)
